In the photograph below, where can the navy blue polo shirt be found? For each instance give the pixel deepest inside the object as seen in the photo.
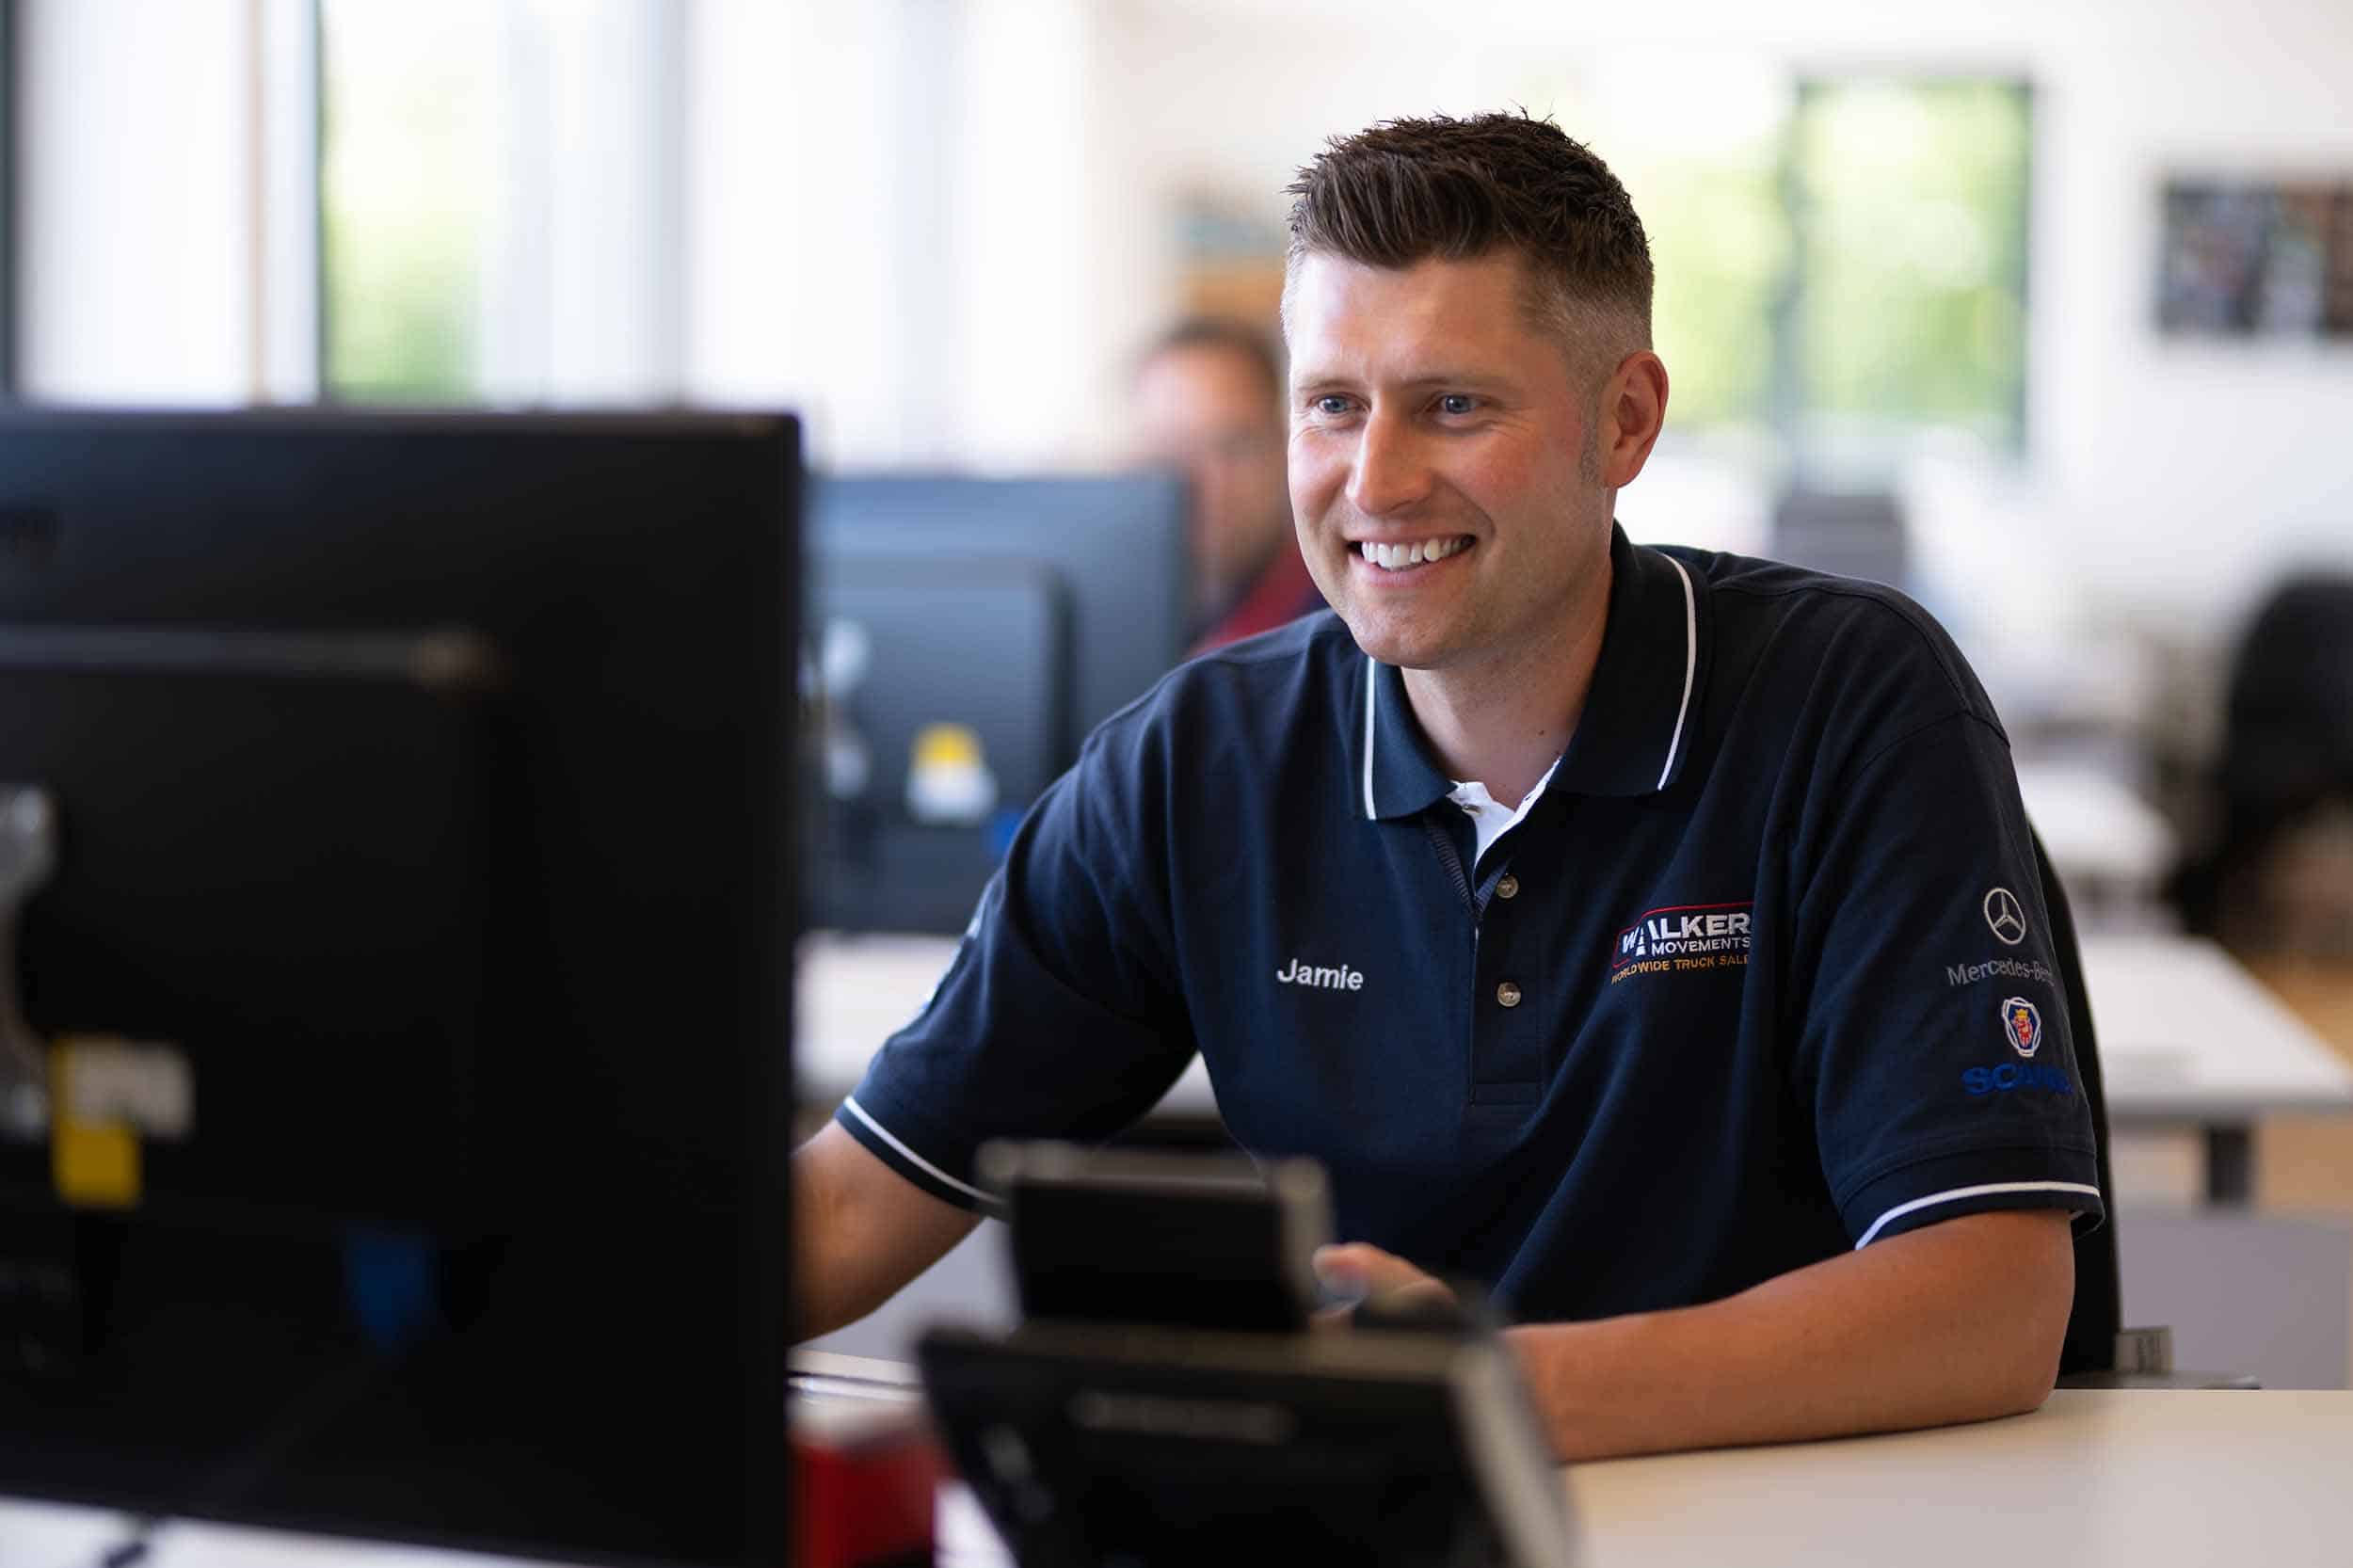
(1762, 975)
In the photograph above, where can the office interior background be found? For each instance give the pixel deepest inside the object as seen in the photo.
(2066, 288)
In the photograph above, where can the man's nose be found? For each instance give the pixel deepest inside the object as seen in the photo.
(1389, 471)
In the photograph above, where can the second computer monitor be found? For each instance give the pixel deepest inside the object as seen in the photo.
(967, 635)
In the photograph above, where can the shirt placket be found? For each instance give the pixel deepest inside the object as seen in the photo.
(1506, 1044)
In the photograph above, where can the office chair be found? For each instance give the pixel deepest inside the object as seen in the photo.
(1852, 532)
(2284, 769)
(2098, 1351)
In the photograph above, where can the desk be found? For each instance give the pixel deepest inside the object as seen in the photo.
(2105, 1480)
(2188, 1036)
(2094, 1480)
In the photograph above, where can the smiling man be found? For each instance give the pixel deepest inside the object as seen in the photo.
(1651, 936)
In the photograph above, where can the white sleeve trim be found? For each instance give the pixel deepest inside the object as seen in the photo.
(851, 1106)
(1957, 1193)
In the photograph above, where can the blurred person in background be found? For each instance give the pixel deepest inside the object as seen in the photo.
(1209, 402)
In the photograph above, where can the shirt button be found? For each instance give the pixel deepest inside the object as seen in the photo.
(1508, 994)
(1508, 886)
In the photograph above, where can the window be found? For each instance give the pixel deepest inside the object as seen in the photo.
(405, 148)
(1841, 262)
(1909, 201)
(500, 183)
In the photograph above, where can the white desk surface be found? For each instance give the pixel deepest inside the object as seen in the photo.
(2186, 1033)
(852, 993)
(41, 1535)
(2108, 1479)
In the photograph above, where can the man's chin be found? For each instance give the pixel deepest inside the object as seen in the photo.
(1407, 648)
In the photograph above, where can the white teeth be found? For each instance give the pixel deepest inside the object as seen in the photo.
(1397, 557)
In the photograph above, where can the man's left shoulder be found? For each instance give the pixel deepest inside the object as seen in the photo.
(1270, 681)
(1858, 643)
(1247, 699)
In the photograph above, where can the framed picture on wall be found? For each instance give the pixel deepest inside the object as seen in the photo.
(2256, 259)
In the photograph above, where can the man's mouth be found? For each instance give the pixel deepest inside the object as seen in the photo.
(1401, 554)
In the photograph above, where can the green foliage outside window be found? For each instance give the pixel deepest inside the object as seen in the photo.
(1841, 265)
(1719, 245)
(403, 152)
(1912, 200)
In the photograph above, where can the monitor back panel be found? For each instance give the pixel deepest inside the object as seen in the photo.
(477, 1238)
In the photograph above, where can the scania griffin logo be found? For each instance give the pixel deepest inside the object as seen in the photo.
(2022, 1025)
(2006, 914)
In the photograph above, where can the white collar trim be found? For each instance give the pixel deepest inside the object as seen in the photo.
(1675, 741)
(1690, 666)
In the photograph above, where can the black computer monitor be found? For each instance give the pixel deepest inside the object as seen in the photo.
(417, 793)
(1017, 613)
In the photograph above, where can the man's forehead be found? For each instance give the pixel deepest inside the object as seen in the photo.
(1433, 319)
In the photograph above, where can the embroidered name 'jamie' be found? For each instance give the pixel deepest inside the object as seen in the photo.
(1341, 979)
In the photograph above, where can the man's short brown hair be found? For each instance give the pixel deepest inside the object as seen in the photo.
(1410, 190)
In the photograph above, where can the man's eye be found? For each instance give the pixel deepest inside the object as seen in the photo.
(1331, 405)
(1458, 404)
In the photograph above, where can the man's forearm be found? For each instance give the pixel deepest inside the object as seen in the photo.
(1957, 1322)
(860, 1232)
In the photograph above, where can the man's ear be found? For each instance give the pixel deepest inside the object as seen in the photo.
(1633, 410)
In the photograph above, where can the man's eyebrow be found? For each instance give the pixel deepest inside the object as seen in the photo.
(1459, 376)
(1302, 385)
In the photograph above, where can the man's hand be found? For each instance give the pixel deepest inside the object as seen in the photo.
(1368, 1277)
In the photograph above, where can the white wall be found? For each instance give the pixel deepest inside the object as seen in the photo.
(2191, 470)
(807, 224)
(135, 263)
(583, 295)
(166, 245)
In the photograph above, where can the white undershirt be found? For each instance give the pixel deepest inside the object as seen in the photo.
(1489, 819)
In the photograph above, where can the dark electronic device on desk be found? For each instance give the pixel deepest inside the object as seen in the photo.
(1208, 1241)
(967, 634)
(396, 841)
(1164, 1402)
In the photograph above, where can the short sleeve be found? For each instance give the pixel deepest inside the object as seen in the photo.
(1935, 1049)
(1059, 1017)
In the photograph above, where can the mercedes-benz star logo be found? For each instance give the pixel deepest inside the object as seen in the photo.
(2007, 918)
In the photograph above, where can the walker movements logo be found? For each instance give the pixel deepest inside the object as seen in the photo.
(1682, 937)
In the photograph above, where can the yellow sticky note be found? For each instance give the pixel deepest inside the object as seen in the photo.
(95, 1164)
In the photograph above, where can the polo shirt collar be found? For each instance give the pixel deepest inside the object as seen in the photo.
(1640, 715)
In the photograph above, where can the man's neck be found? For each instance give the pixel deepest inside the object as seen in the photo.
(1504, 722)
